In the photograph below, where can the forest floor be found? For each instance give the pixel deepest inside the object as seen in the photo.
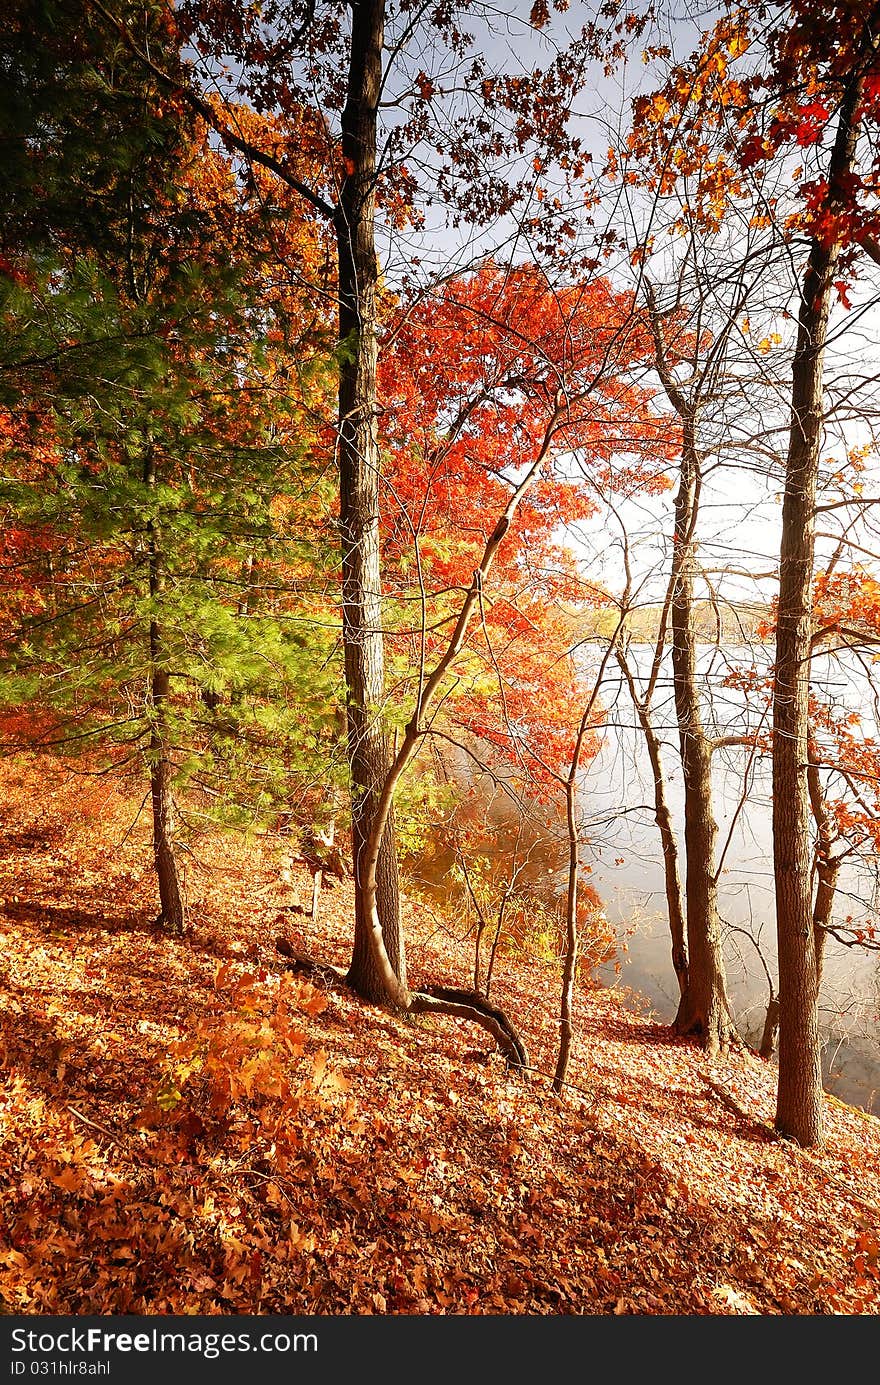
(188, 1127)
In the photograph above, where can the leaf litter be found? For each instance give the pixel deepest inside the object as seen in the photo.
(188, 1127)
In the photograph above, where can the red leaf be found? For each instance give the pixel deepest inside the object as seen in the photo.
(842, 292)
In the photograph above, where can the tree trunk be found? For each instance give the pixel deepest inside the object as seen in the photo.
(799, 1093)
(663, 818)
(827, 864)
(572, 942)
(354, 225)
(771, 1029)
(566, 1030)
(171, 912)
(704, 1008)
(368, 750)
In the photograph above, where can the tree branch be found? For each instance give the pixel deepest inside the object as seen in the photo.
(209, 115)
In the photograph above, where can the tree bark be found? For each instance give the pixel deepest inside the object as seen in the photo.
(569, 971)
(671, 878)
(704, 1009)
(368, 749)
(827, 863)
(799, 1092)
(171, 911)
(771, 1029)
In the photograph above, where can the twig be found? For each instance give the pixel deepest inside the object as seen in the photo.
(582, 1091)
(95, 1125)
(727, 1099)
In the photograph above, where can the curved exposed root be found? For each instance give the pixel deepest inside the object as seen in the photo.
(470, 1005)
(437, 1000)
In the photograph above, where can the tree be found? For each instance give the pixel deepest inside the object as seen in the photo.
(293, 60)
(832, 223)
(158, 485)
(799, 1109)
(816, 68)
(704, 1009)
(466, 380)
(842, 770)
(698, 283)
(565, 397)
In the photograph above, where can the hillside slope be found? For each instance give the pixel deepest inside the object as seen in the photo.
(188, 1127)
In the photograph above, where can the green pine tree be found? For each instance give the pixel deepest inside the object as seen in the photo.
(168, 556)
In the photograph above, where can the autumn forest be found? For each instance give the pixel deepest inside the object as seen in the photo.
(439, 455)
